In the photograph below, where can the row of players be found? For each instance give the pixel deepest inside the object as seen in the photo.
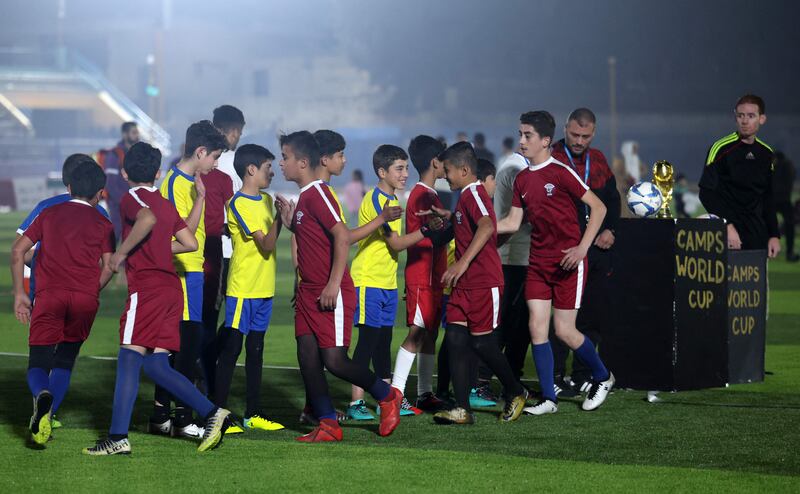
(161, 301)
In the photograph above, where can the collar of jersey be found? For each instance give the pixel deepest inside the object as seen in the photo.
(308, 186)
(384, 194)
(477, 182)
(427, 187)
(145, 187)
(184, 175)
(239, 193)
(541, 165)
(80, 201)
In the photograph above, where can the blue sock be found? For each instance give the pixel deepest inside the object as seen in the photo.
(59, 383)
(543, 359)
(37, 380)
(129, 364)
(380, 389)
(323, 407)
(156, 365)
(588, 355)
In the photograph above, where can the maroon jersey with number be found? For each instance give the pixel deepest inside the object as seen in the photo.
(425, 263)
(74, 236)
(485, 270)
(150, 262)
(547, 193)
(315, 215)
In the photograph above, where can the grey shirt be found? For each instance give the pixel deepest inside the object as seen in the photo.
(516, 250)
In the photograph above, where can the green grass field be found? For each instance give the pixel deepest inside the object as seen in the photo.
(743, 438)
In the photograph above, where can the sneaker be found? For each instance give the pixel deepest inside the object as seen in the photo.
(513, 407)
(484, 390)
(191, 430)
(390, 412)
(358, 411)
(234, 428)
(212, 434)
(542, 407)
(106, 447)
(328, 430)
(580, 386)
(160, 428)
(429, 402)
(598, 392)
(457, 415)
(476, 401)
(563, 389)
(40, 420)
(406, 409)
(54, 423)
(307, 417)
(259, 422)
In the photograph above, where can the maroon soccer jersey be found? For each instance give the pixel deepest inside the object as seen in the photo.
(150, 262)
(425, 263)
(485, 270)
(599, 171)
(219, 189)
(73, 236)
(315, 215)
(547, 193)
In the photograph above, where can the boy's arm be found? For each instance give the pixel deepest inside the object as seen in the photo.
(106, 272)
(388, 214)
(341, 246)
(400, 243)
(142, 226)
(185, 241)
(267, 242)
(22, 303)
(294, 252)
(574, 255)
(510, 223)
(482, 235)
(196, 214)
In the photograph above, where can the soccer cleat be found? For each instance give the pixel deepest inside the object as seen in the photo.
(542, 407)
(40, 420)
(598, 391)
(213, 432)
(234, 428)
(476, 401)
(390, 412)
(190, 430)
(54, 422)
(259, 422)
(484, 390)
(457, 415)
(429, 402)
(160, 428)
(563, 389)
(358, 411)
(106, 447)
(328, 430)
(406, 409)
(513, 407)
(581, 386)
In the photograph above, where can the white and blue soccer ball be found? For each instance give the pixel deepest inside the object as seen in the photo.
(644, 199)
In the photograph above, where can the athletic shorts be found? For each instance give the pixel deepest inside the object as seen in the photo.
(478, 307)
(547, 280)
(62, 316)
(248, 314)
(192, 286)
(375, 307)
(332, 328)
(423, 307)
(152, 318)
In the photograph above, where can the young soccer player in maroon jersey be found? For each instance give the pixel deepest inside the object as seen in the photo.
(76, 243)
(545, 194)
(149, 327)
(325, 301)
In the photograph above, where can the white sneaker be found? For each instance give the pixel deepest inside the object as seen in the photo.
(542, 408)
(598, 392)
(106, 447)
(162, 428)
(192, 431)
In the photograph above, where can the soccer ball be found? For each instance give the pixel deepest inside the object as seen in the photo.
(644, 199)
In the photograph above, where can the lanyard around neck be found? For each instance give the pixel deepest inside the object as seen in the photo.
(585, 172)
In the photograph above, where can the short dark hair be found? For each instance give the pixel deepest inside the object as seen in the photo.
(127, 126)
(542, 122)
(203, 134)
(583, 116)
(72, 161)
(87, 180)
(461, 154)
(329, 142)
(142, 162)
(385, 155)
(754, 100)
(357, 175)
(226, 117)
(486, 169)
(508, 143)
(422, 150)
(250, 154)
(479, 139)
(303, 145)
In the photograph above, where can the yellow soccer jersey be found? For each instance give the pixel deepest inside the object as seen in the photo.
(252, 272)
(338, 203)
(178, 188)
(375, 264)
(451, 259)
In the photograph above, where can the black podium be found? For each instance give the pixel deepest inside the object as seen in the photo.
(671, 327)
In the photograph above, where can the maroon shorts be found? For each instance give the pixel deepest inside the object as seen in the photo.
(423, 307)
(62, 316)
(332, 328)
(152, 318)
(478, 307)
(547, 280)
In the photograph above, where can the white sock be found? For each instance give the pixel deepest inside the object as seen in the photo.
(425, 365)
(402, 367)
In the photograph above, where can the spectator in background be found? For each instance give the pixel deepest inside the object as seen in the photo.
(782, 184)
(634, 168)
(353, 193)
(679, 194)
(508, 149)
(111, 160)
(443, 140)
(462, 137)
(480, 148)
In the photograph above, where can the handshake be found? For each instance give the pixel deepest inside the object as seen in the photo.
(438, 228)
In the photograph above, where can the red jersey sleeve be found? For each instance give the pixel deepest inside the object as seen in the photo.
(109, 241)
(324, 209)
(572, 182)
(517, 199)
(129, 207)
(34, 231)
(177, 222)
(475, 204)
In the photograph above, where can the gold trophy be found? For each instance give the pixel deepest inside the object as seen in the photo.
(663, 179)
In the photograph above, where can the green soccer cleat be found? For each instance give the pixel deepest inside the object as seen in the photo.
(358, 411)
(214, 430)
(259, 422)
(54, 422)
(40, 426)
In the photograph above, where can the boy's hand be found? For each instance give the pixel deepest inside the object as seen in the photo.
(437, 212)
(605, 240)
(391, 213)
(435, 223)
(572, 257)
(115, 264)
(327, 299)
(453, 274)
(285, 209)
(200, 187)
(22, 307)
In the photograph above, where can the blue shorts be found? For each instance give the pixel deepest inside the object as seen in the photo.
(375, 307)
(192, 286)
(248, 314)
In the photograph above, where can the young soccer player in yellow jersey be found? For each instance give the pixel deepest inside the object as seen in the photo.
(183, 187)
(374, 272)
(251, 281)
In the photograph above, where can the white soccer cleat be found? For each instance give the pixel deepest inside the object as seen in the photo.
(543, 407)
(192, 431)
(598, 392)
(106, 447)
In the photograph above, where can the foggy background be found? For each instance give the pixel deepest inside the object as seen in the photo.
(382, 72)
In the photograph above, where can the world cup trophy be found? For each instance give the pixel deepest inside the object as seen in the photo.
(663, 179)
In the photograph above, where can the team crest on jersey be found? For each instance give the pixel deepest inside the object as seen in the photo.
(458, 217)
(298, 217)
(549, 188)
